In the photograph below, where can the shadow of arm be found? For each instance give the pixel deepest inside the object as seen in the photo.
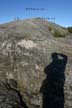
(64, 57)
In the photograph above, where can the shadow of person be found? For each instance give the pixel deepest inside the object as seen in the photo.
(53, 86)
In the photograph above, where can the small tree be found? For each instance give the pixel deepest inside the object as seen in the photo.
(49, 28)
(58, 34)
(17, 18)
(69, 29)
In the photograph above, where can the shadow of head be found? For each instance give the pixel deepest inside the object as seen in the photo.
(54, 56)
(58, 63)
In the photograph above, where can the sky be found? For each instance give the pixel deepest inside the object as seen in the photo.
(61, 10)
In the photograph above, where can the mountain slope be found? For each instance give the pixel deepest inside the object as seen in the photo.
(26, 49)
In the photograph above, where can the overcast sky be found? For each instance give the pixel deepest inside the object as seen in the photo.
(61, 10)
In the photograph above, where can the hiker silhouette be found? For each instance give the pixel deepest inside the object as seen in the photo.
(53, 86)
